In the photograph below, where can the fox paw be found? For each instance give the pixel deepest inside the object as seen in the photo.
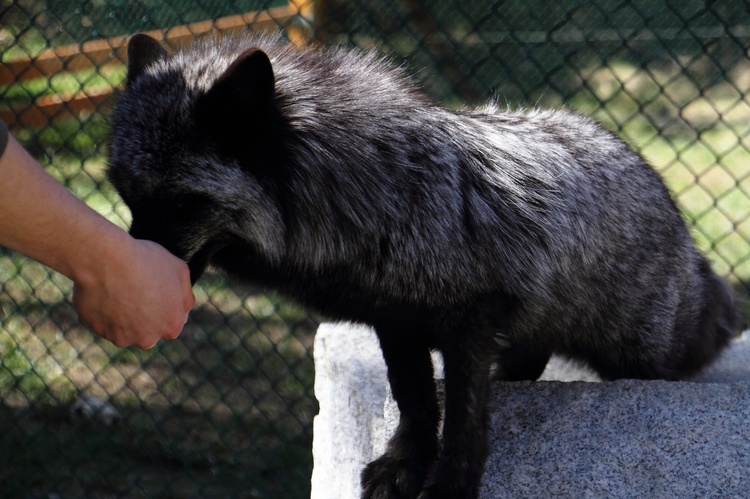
(391, 478)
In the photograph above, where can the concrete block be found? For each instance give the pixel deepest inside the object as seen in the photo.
(350, 385)
(576, 438)
(621, 439)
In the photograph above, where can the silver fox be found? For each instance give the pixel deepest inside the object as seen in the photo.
(497, 237)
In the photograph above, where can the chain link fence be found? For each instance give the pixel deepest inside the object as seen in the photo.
(226, 410)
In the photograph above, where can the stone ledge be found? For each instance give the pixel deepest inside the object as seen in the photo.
(574, 439)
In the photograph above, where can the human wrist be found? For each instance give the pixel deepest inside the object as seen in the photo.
(40, 218)
(102, 248)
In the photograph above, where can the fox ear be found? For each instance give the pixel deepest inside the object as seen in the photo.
(240, 95)
(142, 52)
(249, 80)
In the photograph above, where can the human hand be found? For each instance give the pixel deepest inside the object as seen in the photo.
(128, 291)
(137, 296)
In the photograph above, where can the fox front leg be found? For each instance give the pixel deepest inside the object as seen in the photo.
(401, 471)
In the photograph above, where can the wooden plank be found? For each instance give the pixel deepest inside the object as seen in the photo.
(94, 53)
(50, 109)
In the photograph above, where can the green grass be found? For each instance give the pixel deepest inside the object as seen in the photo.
(150, 454)
(226, 409)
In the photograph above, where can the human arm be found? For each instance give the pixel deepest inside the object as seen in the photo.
(128, 291)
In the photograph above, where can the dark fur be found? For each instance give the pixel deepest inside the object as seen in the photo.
(496, 237)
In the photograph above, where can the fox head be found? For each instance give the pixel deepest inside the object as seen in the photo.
(189, 149)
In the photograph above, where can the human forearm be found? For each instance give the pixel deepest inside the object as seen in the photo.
(42, 219)
(128, 291)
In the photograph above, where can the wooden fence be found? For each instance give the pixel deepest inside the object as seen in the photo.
(105, 53)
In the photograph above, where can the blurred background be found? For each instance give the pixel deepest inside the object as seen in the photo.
(226, 410)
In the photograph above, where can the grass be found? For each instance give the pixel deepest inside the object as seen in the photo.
(227, 409)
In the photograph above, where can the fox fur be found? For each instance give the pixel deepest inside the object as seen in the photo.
(495, 236)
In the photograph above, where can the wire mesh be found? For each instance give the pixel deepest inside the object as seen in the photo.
(226, 410)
